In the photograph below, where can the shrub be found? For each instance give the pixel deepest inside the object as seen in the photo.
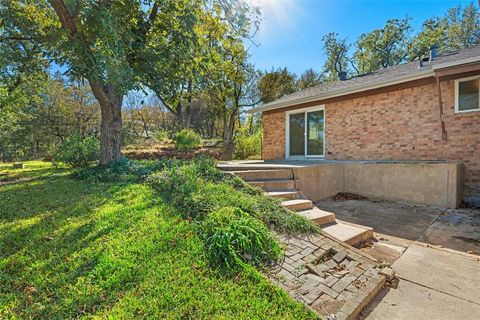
(77, 151)
(195, 188)
(233, 237)
(162, 135)
(187, 139)
(184, 184)
(124, 170)
(214, 196)
(179, 185)
(248, 146)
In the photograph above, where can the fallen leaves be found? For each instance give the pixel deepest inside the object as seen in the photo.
(342, 196)
(473, 251)
(29, 291)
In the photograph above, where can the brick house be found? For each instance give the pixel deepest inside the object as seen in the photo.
(422, 110)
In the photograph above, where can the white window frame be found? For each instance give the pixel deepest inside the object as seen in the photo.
(457, 86)
(287, 132)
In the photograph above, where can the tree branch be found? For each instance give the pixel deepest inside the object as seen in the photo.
(352, 63)
(153, 12)
(66, 19)
(165, 104)
(15, 38)
(250, 104)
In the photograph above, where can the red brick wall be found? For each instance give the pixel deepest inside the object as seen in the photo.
(274, 136)
(398, 125)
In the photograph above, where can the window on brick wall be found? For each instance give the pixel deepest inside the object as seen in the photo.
(467, 94)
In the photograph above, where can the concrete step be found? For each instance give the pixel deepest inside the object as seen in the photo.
(244, 167)
(318, 216)
(285, 194)
(348, 232)
(274, 185)
(298, 204)
(252, 175)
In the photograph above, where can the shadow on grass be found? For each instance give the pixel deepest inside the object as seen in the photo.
(115, 251)
(53, 233)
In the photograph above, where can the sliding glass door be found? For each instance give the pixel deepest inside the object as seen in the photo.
(315, 133)
(297, 134)
(306, 133)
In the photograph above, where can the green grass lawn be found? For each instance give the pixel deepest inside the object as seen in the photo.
(77, 249)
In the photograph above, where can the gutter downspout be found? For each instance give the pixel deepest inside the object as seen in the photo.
(440, 107)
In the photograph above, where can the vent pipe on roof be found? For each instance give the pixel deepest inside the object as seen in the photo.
(433, 52)
(342, 75)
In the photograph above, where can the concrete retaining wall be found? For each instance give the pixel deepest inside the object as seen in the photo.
(320, 181)
(437, 184)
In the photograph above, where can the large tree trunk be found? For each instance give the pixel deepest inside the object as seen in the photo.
(188, 108)
(178, 113)
(225, 126)
(210, 128)
(184, 117)
(188, 116)
(110, 100)
(229, 145)
(231, 127)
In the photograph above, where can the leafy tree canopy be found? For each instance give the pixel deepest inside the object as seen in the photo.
(276, 83)
(309, 78)
(119, 46)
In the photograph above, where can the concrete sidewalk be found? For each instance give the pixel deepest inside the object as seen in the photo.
(434, 284)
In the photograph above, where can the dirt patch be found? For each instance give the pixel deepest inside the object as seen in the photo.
(13, 181)
(466, 205)
(342, 196)
(7, 177)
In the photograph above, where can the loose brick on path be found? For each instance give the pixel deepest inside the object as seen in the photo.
(330, 277)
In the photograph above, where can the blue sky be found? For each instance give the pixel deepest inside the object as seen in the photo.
(291, 30)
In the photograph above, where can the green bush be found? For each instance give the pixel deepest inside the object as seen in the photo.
(162, 135)
(196, 188)
(124, 170)
(76, 151)
(233, 237)
(187, 139)
(180, 185)
(214, 196)
(248, 146)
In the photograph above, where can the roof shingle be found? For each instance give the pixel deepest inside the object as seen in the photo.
(410, 69)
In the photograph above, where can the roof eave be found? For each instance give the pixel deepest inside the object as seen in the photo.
(338, 93)
(456, 63)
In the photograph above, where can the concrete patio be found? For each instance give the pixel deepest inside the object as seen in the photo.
(433, 284)
(398, 225)
(434, 252)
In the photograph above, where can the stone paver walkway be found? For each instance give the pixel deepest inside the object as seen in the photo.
(329, 276)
